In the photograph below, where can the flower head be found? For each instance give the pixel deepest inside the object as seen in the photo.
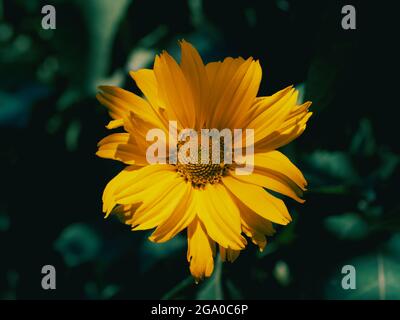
(218, 206)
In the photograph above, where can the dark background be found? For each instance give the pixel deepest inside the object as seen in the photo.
(50, 123)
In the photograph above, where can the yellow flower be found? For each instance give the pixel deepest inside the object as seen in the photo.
(217, 206)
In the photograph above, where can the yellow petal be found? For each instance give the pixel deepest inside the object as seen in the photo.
(258, 200)
(244, 95)
(130, 185)
(152, 214)
(272, 117)
(201, 250)
(125, 176)
(216, 71)
(233, 92)
(228, 254)
(174, 90)
(277, 164)
(275, 182)
(150, 183)
(220, 216)
(195, 73)
(219, 75)
(262, 104)
(122, 103)
(255, 226)
(120, 146)
(287, 132)
(182, 216)
(256, 237)
(139, 128)
(124, 212)
(147, 83)
(115, 124)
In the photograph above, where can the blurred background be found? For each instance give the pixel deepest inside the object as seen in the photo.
(52, 182)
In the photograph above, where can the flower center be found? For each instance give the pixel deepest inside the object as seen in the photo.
(199, 174)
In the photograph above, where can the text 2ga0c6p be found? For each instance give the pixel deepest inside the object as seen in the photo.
(206, 309)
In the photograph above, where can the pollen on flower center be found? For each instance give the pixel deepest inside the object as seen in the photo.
(198, 173)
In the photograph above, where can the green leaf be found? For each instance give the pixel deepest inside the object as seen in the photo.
(330, 172)
(108, 15)
(347, 226)
(390, 161)
(335, 164)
